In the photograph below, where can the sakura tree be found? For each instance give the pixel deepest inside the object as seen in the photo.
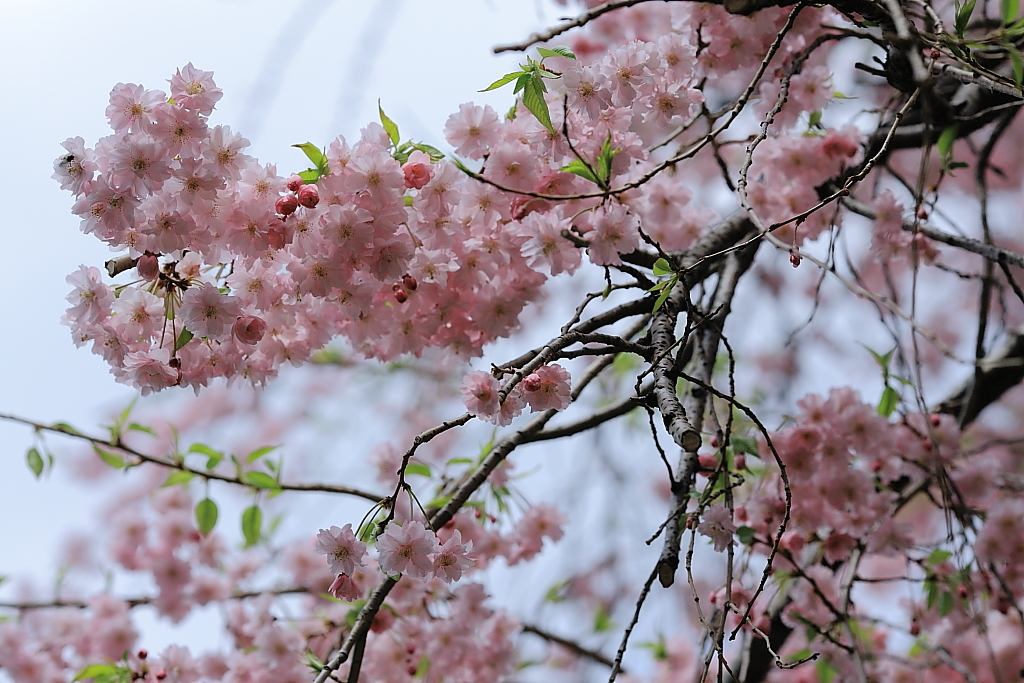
(707, 230)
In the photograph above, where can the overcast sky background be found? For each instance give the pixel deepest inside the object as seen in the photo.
(290, 71)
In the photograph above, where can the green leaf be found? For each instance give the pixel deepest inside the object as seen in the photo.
(260, 480)
(310, 175)
(557, 51)
(602, 620)
(826, 672)
(112, 459)
(946, 140)
(1010, 9)
(744, 444)
(213, 457)
(433, 152)
(184, 337)
(206, 516)
(521, 83)
(390, 126)
(310, 659)
(94, 671)
(938, 557)
(35, 461)
(581, 169)
(314, 154)
(136, 427)
(67, 429)
(179, 477)
(963, 17)
(665, 291)
(507, 78)
(460, 461)
(605, 158)
(252, 519)
(887, 404)
(662, 267)
(945, 605)
(533, 99)
(745, 534)
(260, 452)
(1017, 63)
(418, 468)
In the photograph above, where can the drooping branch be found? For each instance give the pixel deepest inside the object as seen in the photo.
(173, 464)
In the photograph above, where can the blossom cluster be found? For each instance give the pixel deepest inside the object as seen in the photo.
(547, 388)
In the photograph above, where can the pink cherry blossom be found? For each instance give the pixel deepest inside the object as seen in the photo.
(547, 388)
(208, 313)
(344, 552)
(452, 559)
(716, 523)
(407, 549)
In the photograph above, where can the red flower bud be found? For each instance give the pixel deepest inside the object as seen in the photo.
(148, 266)
(400, 296)
(410, 282)
(249, 329)
(294, 182)
(142, 654)
(309, 196)
(286, 205)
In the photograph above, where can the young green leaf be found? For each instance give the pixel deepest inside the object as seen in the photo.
(417, 468)
(662, 267)
(963, 17)
(35, 461)
(252, 519)
(946, 140)
(112, 459)
(1010, 9)
(1016, 62)
(96, 671)
(260, 452)
(179, 477)
(579, 168)
(314, 154)
(260, 480)
(507, 78)
(605, 158)
(887, 404)
(310, 175)
(666, 289)
(533, 99)
(557, 51)
(206, 516)
(390, 126)
(184, 337)
(745, 534)
(136, 427)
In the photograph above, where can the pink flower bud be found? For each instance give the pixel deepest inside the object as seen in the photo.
(410, 282)
(382, 621)
(249, 329)
(416, 174)
(294, 182)
(143, 654)
(161, 675)
(148, 266)
(309, 196)
(795, 259)
(400, 296)
(532, 383)
(276, 235)
(740, 460)
(935, 419)
(286, 205)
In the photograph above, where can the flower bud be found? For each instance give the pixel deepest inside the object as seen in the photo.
(400, 296)
(795, 259)
(740, 461)
(148, 266)
(309, 196)
(294, 182)
(532, 382)
(249, 329)
(410, 282)
(416, 175)
(142, 654)
(286, 205)
(161, 675)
